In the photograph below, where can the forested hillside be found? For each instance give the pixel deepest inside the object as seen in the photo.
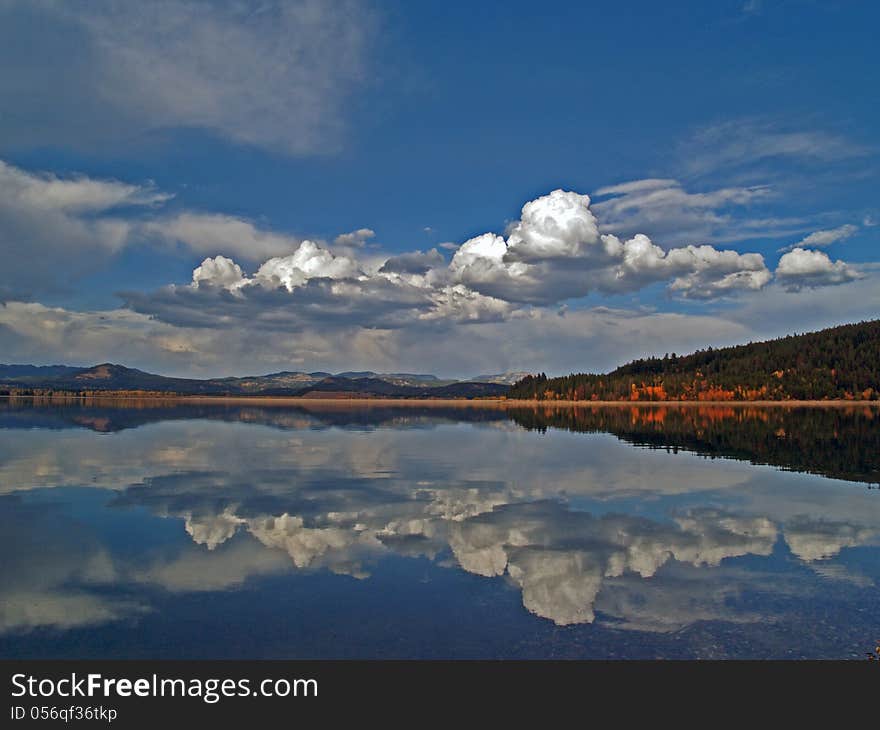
(837, 363)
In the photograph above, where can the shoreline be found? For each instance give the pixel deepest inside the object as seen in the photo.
(442, 402)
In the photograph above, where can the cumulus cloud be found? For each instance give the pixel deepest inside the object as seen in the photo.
(555, 252)
(701, 272)
(803, 268)
(315, 286)
(218, 271)
(354, 239)
(391, 307)
(274, 74)
(777, 312)
(255, 283)
(309, 262)
(558, 225)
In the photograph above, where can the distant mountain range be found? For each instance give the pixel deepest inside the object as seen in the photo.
(108, 377)
(839, 363)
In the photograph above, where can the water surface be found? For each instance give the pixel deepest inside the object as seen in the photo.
(262, 531)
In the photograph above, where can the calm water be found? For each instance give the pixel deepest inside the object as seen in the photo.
(324, 531)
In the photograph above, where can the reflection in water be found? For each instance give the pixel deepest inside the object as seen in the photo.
(842, 442)
(114, 517)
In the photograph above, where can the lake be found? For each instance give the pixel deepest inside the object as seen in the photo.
(325, 530)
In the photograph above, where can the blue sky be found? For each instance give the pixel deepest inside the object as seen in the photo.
(729, 151)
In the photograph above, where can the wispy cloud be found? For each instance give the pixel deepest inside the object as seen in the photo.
(267, 73)
(735, 145)
(676, 215)
(825, 237)
(52, 228)
(216, 233)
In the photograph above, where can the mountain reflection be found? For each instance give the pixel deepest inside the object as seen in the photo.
(842, 442)
(588, 530)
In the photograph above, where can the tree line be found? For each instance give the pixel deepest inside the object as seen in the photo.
(840, 363)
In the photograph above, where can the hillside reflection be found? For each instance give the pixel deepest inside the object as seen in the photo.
(842, 442)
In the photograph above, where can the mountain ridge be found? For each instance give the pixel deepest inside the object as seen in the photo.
(106, 377)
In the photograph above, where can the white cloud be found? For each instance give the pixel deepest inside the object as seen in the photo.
(555, 252)
(558, 225)
(38, 333)
(701, 272)
(344, 300)
(219, 271)
(488, 247)
(675, 215)
(55, 578)
(750, 143)
(563, 560)
(220, 341)
(197, 570)
(52, 228)
(777, 312)
(802, 268)
(459, 304)
(212, 233)
(813, 539)
(76, 194)
(268, 73)
(309, 262)
(497, 514)
(715, 273)
(354, 239)
(212, 530)
(824, 238)
(552, 254)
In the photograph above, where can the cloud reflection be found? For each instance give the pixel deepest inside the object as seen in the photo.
(587, 528)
